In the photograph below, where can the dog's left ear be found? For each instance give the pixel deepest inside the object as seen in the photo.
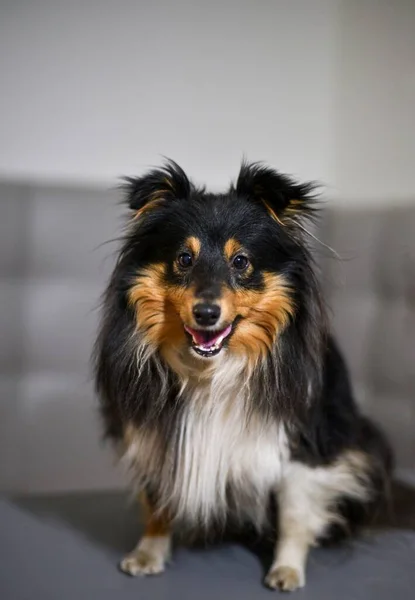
(284, 198)
(158, 186)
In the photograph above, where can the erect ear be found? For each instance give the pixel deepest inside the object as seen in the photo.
(158, 185)
(284, 198)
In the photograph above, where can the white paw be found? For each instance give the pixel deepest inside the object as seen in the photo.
(286, 579)
(142, 562)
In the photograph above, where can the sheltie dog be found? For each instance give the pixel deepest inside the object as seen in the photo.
(219, 381)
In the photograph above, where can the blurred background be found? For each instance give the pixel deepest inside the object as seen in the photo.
(95, 89)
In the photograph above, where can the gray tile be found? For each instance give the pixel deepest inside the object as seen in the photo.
(15, 221)
(355, 236)
(11, 434)
(387, 365)
(60, 322)
(353, 315)
(11, 324)
(395, 414)
(69, 232)
(395, 262)
(63, 434)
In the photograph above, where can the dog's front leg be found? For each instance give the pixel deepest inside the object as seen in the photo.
(300, 519)
(150, 555)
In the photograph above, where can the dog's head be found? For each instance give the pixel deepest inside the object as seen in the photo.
(209, 274)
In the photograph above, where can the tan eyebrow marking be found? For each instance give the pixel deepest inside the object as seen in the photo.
(193, 243)
(231, 247)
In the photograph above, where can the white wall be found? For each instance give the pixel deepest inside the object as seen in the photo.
(321, 88)
(95, 89)
(374, 125)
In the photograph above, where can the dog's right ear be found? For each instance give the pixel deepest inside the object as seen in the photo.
(163, 184)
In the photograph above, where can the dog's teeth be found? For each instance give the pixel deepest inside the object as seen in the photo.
(208, 349)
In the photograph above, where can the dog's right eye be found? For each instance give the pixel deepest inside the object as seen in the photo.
(185, 260)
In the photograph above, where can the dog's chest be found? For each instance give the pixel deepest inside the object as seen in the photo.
(220, 450)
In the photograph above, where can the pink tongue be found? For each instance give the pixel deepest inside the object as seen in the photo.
(207, 338)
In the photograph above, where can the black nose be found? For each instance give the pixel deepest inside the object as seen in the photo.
(206, 314)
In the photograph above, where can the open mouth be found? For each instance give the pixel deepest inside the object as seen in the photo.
(208, 343)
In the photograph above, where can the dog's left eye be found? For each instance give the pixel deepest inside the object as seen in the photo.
(240, 262)
(185, 260)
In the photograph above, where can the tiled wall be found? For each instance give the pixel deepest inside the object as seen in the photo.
(52, 271)
(371, 290)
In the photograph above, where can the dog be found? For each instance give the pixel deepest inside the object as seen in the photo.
(219, 381)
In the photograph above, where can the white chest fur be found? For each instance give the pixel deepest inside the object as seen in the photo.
(222, 449)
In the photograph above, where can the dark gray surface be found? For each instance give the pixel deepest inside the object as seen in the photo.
(68, 548)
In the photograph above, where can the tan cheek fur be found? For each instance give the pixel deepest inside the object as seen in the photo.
(162, 310)
(266, 313)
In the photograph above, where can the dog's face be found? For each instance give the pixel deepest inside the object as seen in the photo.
(208, 273)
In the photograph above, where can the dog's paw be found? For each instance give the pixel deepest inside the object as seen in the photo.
(287, 579)
(142, 562)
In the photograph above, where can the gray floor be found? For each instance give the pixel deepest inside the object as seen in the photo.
(67, 547)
